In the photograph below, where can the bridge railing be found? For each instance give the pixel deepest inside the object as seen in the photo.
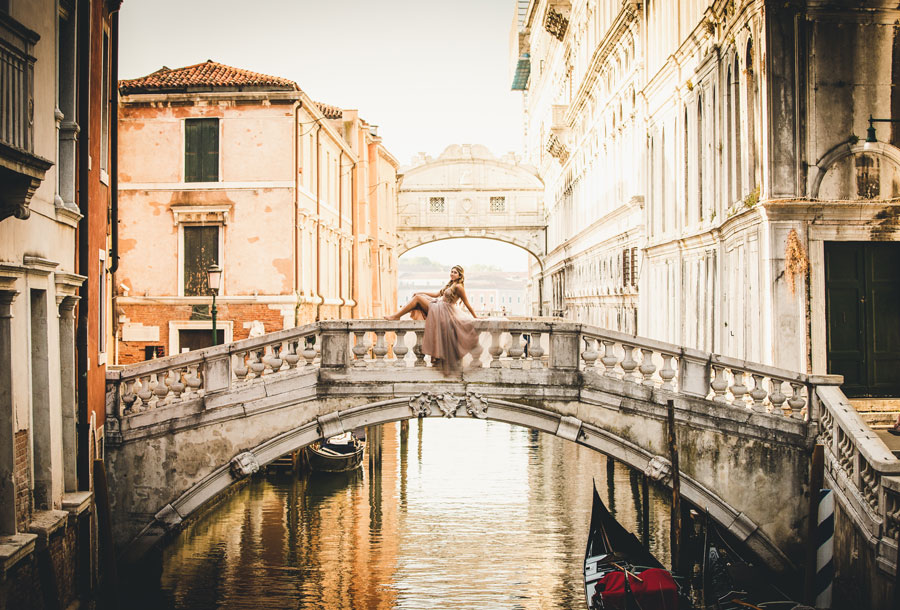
(503, 344)
(863, 471)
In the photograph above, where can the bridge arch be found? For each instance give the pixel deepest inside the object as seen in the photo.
(169, 518)
(423, 240)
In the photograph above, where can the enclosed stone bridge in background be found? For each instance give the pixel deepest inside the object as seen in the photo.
(467, 192)
(182, 429)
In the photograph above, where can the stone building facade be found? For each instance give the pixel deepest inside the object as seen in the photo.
(707, 174)
(292, 198)
(57, 164)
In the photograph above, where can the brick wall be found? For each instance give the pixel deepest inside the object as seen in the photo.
(22, 477)
(45, 574)
(161, 315)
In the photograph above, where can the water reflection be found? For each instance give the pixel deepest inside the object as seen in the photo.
(477, 515)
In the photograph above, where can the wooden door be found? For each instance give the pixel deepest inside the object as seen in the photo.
(862, 302)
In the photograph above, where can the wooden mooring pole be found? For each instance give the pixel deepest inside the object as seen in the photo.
(675, 529)
(816, 481)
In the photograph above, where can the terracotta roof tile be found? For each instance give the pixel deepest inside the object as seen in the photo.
(208, 75)
(330, 112)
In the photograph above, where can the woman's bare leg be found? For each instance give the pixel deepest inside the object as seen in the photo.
(418, 302)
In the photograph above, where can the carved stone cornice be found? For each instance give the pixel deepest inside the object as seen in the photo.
(9, 273)
(38, 265)
(66, 286)
(21, 173)
(217, 213)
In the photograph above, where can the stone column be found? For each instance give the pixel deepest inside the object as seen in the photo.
(7, 418)
(67, 388)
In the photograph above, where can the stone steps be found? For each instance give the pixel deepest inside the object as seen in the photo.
(878, 413)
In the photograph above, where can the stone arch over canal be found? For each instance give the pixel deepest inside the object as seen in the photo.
(183, 429)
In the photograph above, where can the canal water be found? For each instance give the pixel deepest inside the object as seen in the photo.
(462, 514)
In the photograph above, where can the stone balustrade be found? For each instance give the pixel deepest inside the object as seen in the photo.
(863, 471)
(503, 344)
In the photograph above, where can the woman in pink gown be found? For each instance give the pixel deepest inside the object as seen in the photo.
(449, 335)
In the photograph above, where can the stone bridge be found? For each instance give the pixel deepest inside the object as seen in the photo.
(182, 429)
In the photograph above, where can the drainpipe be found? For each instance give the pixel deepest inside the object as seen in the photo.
(354, 246)
(319, 298)
(341, 236)
(114, 169)
(83, 458)
(296, 198)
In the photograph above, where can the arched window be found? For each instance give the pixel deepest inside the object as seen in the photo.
(700, 150)
(734, 83)
(751, 117)
(686, 151)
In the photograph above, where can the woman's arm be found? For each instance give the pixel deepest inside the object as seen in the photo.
(465, 300)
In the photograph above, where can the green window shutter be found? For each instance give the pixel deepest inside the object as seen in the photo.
(191, 151)
(201, 250)
(210, 154)
(201, 150)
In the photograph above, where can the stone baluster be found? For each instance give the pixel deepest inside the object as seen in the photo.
(629, 364)
(145, 394)
(870, 484)
(738, 389)
(796, 401)
(177, 382)
(290, 354)
(667, 372)
(360, 349)
(257, 366)
(495, 349)
(758, 393)
(380, 349)
(590, 353)
(275, 360)
(892, 514)
(417, 349)
(400, 349)
(845, 452)
(309, 349)
(128, 396)
(515, 349)
(476, 353)
(777, 398)
(239, 365)
(536, 350)
(161, 389)
(719, 384)
(647, 367)
(609, 359)
(193, 380)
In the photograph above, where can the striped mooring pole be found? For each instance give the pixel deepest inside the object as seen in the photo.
(825, 549)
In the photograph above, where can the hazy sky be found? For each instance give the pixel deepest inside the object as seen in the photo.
(428, 73)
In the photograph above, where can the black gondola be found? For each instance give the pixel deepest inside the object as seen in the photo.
(337, 454)
(619, 572)
(731, 583)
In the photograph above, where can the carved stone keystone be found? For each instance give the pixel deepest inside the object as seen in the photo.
(659, 468)
(569, 428)
(330, 425)
(244, 464)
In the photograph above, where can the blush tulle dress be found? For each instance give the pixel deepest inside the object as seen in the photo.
(449, 333)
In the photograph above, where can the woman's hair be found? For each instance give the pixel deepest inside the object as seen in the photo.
(461, 280)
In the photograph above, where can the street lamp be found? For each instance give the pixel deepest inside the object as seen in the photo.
(214, 279)
(870, 131)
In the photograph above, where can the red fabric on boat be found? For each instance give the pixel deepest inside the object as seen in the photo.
(657, 591)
